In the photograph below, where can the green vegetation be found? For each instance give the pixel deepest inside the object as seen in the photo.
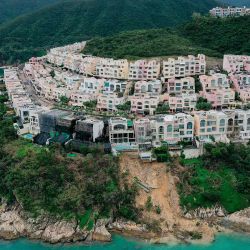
(124, 107)
(90, 104)
(44, 179)
(162, 154)
(64, 100)
(162, 108)
(203, 104)
(221, 176)
(13, 8)
(76, 20)
(224, 35)
(149, 204)
(207, 35)
(144, 43)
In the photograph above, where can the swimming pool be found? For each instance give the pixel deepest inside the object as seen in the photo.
(27, 136)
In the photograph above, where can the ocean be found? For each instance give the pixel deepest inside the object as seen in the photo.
(222, 242)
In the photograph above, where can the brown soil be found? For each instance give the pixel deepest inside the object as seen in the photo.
(162, 185)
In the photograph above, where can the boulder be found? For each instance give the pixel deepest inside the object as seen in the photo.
(238, 221)
(101, 234)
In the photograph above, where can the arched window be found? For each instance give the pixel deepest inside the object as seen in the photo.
(169, 128)
(222, 122)
(161, 130)
(202, 123)
(190, 125)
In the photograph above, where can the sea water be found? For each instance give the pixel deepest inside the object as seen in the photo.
(222, 242)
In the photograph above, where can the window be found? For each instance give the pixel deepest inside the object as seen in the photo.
(169, 128)
(161, 130)
(222, 122)
(202, 123)
(189, 125)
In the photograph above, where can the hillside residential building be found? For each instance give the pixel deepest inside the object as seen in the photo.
(142, 129)
(121, 131)
(113, 86)
(229, 11)
(88, 65)
(91, 85)
(210, 125)
(78, 98)
(181, 86)
(150, 87)
(110, 68)
(241, 83)
(182, 103)
(172, 129)
(89, 129)
(144, 70)
(217, 91)
(242, 118)
(236, 63)
(184, 66)
(108, 102)
(144, 104)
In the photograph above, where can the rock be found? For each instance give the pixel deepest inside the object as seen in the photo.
(101, 234)
(238, 221)
(12, 226)
(62, 231)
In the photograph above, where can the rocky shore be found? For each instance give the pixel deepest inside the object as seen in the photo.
(14, 223)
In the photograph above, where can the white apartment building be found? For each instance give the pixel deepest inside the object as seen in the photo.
(172, 129)
(113, 86)
(110, 68)
(144, 70)
(144, 104)
(184, 66)
(91, 128)
(109, 102)
(182, 103)
(91, 85)
(79, 98)
(121, 131)
(211, 124)
(229, 11)
(142, 129)
(151, 87)
(242, 119)
(180, 86)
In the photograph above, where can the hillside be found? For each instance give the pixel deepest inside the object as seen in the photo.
(76, 20)
(238, 3)
(198, 35)
(10, 9)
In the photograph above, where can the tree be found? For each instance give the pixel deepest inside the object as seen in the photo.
(124, 107)
(64, 100)
(52, 73)
(203, 104)
(162, 108)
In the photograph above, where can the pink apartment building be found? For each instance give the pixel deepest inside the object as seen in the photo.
(144, 70)
(236, 63)
(241, 84)
(217, 91)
